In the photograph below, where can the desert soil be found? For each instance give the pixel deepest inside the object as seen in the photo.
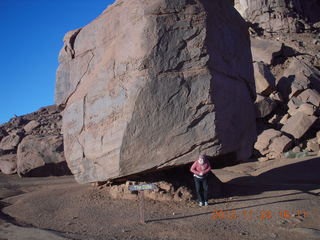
(277, 199)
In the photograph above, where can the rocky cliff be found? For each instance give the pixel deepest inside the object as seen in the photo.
(151, 84)
(285, 43)
(274, 16)
(32, 144)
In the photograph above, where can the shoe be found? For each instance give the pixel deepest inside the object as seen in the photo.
(200, 204)
(206, 203)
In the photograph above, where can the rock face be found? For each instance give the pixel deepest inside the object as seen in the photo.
(151, 84)
(279, 15)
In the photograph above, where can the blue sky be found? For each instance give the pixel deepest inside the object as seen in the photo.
(31, 38)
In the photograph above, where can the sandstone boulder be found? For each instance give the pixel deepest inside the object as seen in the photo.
(31, 125)
(298, 124)
(151, 84)
(310, 96)
(7, 167)
(272, 144)
(41, 156)
(10, 142)
(293, 105)
(280, 145)
(265, 81)
(299, 76)
(307, 108)
(8, 164)
(264, 50)
(265, 139)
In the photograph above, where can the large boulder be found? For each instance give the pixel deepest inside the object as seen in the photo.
(272, 143)
(265, 139)
(8, 163)
(10, 142)
(298, 124)
(265, 81)
(41, 156)
(265, 51)
(151, 84)
(310, 96)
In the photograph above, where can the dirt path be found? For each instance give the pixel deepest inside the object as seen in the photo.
(274, 200)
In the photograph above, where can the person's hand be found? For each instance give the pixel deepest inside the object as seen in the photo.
(201, 174)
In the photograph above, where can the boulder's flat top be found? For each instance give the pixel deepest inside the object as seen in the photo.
(84, 212)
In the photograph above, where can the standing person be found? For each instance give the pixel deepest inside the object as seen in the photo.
(200, 169)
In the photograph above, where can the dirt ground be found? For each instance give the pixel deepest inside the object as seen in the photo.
(277, 199)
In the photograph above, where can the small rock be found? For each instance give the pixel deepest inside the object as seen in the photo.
(313, 145)
(273, 235)
(273, 119)
(296, 149)
(263, 159)
(165, 186)
(276, 96)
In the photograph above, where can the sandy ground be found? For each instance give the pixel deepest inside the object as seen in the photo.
(273, 200)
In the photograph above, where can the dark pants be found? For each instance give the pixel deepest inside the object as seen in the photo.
(201, 188)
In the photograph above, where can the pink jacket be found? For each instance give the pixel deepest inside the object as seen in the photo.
(197, 168)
